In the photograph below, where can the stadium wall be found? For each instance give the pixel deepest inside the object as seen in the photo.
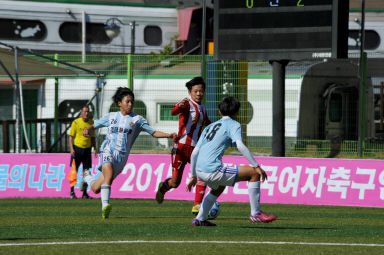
(309, 181)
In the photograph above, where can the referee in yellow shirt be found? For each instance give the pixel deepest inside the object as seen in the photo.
(80, 145)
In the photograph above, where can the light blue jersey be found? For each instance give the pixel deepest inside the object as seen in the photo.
(122, 133)
(214, 140)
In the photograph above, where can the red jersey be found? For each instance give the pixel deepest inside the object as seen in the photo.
(192, 118)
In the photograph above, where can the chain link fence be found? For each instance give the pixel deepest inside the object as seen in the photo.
(158, 82)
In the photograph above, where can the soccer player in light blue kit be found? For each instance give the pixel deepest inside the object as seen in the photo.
(206, 163)
(123, 128)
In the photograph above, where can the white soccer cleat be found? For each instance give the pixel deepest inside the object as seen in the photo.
(83, 184)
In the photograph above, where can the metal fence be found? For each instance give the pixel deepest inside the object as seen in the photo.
(40, 133)
(159, 81)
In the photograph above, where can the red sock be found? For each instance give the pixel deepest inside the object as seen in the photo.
(165, 186)
(200, 191)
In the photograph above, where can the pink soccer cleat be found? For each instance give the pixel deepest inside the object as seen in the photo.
(262, 217)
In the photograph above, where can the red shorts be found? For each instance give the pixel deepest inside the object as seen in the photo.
(181, 155)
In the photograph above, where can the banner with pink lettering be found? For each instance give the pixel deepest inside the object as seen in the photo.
(290, 180)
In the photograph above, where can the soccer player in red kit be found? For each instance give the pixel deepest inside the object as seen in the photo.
(192, 117)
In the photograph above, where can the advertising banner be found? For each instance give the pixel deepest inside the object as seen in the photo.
(290, 180)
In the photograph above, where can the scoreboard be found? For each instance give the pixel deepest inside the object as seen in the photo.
(280, 29)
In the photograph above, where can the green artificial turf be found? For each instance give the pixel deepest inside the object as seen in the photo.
(63, 220)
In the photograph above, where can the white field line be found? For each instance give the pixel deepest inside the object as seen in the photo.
(193, 242)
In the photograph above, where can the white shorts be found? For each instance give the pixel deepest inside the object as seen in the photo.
(223, 176)
(118, 162)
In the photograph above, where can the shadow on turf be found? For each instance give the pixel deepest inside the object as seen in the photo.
(16, 239)
(149, 217)
(292, 228)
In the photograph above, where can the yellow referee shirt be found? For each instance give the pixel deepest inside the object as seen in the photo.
(77, 127)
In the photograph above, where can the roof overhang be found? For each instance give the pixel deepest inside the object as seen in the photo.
(184, 17)
(23, 81)
(29, 67)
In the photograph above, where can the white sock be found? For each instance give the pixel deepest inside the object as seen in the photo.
(88, 178)
(254, 197)
(205, 206)
(105, 194)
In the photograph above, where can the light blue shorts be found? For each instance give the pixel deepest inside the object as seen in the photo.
(118, 162)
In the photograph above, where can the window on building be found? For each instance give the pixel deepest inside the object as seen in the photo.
(22, 30)
(372, 39)
(71, 108)
(335, 107)
(71, 32)
(246, 113)
(165, 112)
(153, 35)
(6, 104)
(140, 108)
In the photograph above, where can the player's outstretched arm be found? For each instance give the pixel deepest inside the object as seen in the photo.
(262, 173)
(93, 141)
(248, 155)
(87, 132)
(192, 182)
(159, 134)
(180, 106)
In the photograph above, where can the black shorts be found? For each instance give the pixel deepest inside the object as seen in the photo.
(83, 156)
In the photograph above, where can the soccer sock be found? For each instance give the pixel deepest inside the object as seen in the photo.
(165, 187)
(254, 197)
(205, 206)
(88, 178)
(200, 191)
(105, 194)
